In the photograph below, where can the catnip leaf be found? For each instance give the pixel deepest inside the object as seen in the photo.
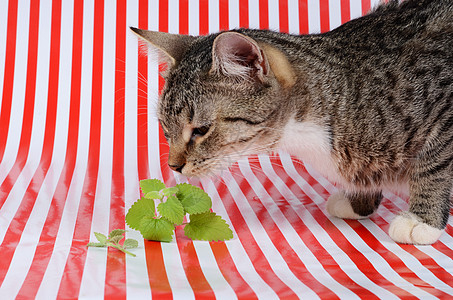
(153, 195)
(130, 243)
(150, 185)
(101, 237)
(116, 232)
(116, 239)
(156, 229)
(170, 191)
(96, 245)
(208, 227)
(193, 199)
(141, 208)
(172, 210)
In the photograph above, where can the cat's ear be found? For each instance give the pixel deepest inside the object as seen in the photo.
(237, 55)
(171, 47)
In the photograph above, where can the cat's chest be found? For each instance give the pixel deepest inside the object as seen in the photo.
(310, 142)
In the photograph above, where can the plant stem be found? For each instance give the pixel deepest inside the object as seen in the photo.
(122, 249)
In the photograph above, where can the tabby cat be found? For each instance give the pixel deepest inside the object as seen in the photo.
(368, 104)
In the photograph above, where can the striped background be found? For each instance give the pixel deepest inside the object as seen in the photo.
(78, 131)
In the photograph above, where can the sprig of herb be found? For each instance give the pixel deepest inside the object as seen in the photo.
(174, 203)
(113, 240)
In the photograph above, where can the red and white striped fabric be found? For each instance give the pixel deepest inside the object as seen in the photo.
(78, 131)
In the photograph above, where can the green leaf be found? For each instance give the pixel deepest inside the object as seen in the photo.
(208, 227)
(130, 243)
(115, 239)
(141, 208)
(170, 191)
(156, 229)
(96, 245)
(153, 195)
(101, 237)
(193, 199)
(116, 232)
(150, 185)
(172, 210)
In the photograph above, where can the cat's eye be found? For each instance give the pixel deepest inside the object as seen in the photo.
(200, 131)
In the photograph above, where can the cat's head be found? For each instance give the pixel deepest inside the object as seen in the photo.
(221, 101)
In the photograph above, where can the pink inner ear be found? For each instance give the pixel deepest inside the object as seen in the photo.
(238, 55)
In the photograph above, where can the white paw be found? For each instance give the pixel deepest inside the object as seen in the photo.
(406, 228)
(339, 206)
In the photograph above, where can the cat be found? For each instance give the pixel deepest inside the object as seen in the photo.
(369, 104)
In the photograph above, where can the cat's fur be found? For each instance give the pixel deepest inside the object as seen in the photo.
(369, 104)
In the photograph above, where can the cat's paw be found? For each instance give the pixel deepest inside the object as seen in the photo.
(406, 228)
(339, 206)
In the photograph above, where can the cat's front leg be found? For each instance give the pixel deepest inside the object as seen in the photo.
(429, 205)
(353, 205)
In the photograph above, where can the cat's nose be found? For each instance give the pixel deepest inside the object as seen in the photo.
(177, 168)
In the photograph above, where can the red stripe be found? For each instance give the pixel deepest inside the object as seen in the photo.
(223, 15)
(8, 79)
(230, 271)
(228, 268)
(115, 274)
(304, 232)
(361, 262)
(184, 16)
(51, 226)
(204, 17)
(345, 11)
(32, 191)
(264, 14)
(303, 17)
(157, 275)
(30, 88)
(297, 267)
(191, 265)
(366, 6)
(244, 13)
(324, 15)
(12, 239)
(17, 225)
(250, 245)
(283, 15)
(70, 282)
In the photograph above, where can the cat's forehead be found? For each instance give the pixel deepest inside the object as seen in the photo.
(185, 86)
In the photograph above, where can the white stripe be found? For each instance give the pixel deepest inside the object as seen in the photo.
(305, 255)
(211, 271)
(233, 14)
(173, 16)
(214, 22)
(3, 31)
(18, 94)
(137, 283)
(343, 260)
(293, 16)
(68, 219)
(274, 17)
(254, 14)
(236, 249)
(355, 7)
(374, 3)
(334, 13)
(381, 265)
(23, 255)
(275, 259)
(411, 262)
(314, 16)
(152, 93)
(194, 17)
(95, 263)
(17, 192)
